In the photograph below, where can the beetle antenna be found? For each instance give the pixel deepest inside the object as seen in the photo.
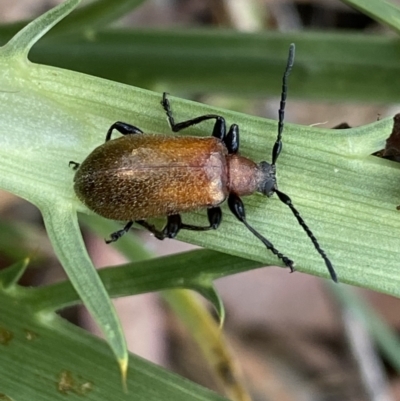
(278, 143)
(275, 154)
(287, 201)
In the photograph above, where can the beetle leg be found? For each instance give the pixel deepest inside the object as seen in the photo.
(74, 165)
(124, 129)
(150, 227)
(237, 208)
(118, 234)
(174, 224)
(343, 125)
(219, 130)
(231, 139)
(170, 230)
(214, 215)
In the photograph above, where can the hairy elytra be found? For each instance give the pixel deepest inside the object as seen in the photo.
(139, 176)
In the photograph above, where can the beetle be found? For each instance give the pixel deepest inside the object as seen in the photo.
(139, 176)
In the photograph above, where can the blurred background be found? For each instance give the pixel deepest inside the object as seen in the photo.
(291, 336)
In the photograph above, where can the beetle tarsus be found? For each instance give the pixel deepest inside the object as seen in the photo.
(118, 234)
(74, 165)
(123, 128)
(219, 126)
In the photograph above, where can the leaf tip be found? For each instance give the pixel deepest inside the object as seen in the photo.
(123, 366)
(11, 275)
(20, 44)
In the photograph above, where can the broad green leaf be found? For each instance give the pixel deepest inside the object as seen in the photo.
(327, 173)
(348, 198)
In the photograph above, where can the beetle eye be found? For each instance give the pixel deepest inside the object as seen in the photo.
(268, 187)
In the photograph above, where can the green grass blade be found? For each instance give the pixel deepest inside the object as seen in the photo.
(382, 11)
(95, 15)
(328, 66)
(385, 337)
(84, 20)
(186, 270)
(45, 358)
(20, 44)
